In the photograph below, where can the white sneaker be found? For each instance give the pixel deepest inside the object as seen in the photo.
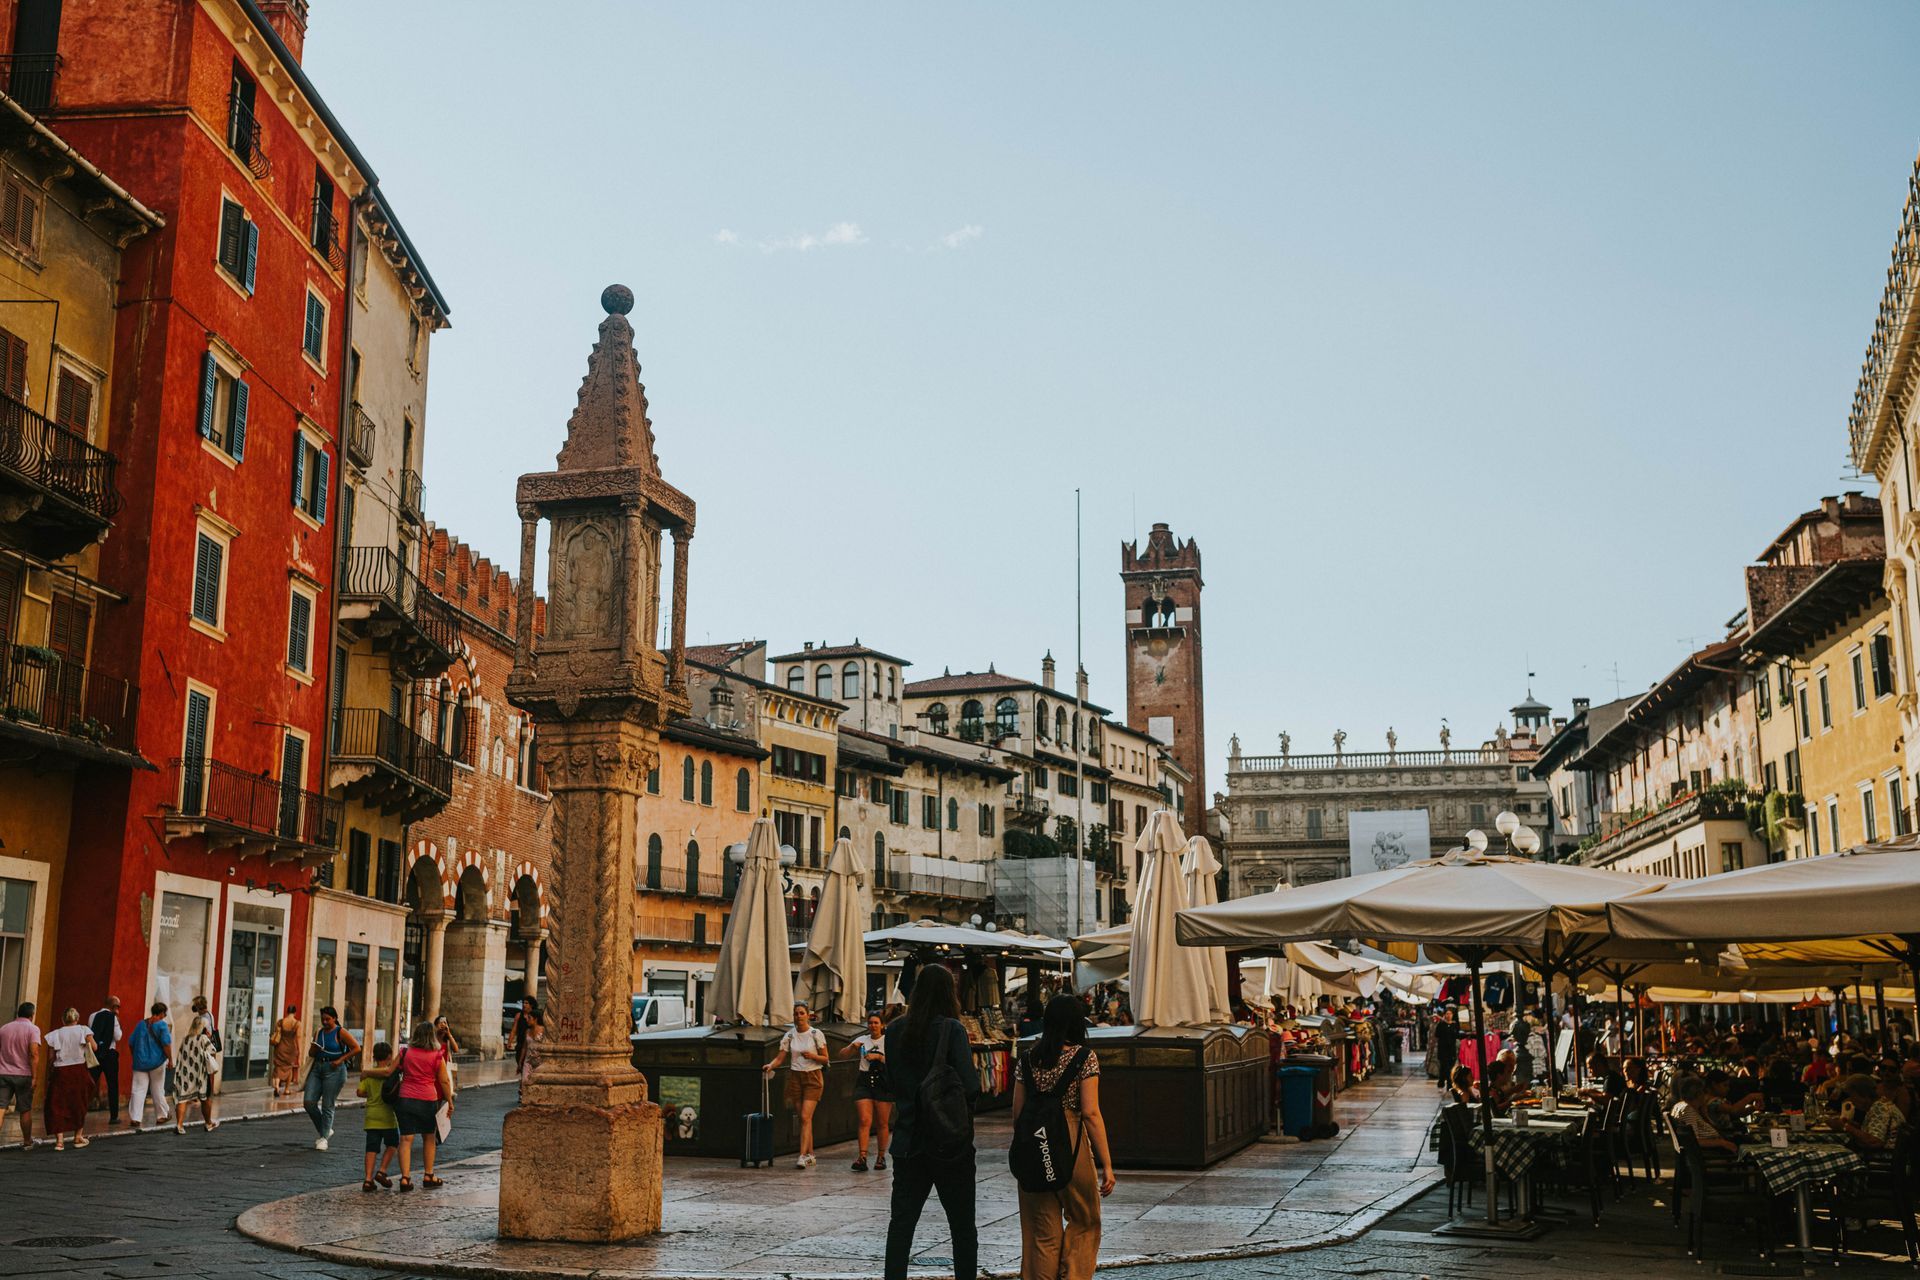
(319, 1144)
(801, 1163)
(810, 1160)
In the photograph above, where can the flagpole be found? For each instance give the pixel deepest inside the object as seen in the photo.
(1078, 916)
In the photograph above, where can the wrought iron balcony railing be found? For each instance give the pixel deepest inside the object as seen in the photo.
(413, 495)
(427, 628)
(243, 137)
(361, 434)
(410, 774)
(44, 690)
(63, 463)
(676, 880)
(32, 80)
(687, 933)
(325, 233)
(254, 807)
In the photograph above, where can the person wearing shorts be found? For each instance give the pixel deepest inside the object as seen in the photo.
(382, 1125)
(804, 1049)
(871, 1100)
(19, 1053)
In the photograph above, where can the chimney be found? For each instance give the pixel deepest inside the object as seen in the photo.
(1080, 684)
(910, 734)
(289, 18)
(1581, 704)
(720, 704)
(1046, 670)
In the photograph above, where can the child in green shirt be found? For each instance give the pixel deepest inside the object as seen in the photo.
(383, 1127)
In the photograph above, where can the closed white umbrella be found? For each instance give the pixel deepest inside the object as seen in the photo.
(753, 981)
(1198, 868)
(834, 973)
(1169, 984)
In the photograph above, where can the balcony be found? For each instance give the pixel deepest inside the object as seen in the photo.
(32, 80)
(360, 436)
(325, 233)
(251, 813)
(385, 765)
(413, 496)
(1026, 811)
(387, 602)
(243, 137)
(676, 880)
(933, 884)
(61, 705)
(989, 731)
(1622, 833)
(56, 489)
(673, 931)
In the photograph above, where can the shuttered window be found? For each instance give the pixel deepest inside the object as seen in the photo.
(299, 630)
(10, 574)
(314, 343)
(73, 403)
(293, 776)
(193, 750)
(312, 476)
(223, 407)
(209, 564)
(20, 206)
(1882, 665)
(13, 365)
(238, 247)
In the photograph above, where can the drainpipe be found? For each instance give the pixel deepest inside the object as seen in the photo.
(342, 536)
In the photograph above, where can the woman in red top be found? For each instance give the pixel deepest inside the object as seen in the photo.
(424, 1085)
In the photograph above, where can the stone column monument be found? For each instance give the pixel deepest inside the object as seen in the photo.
(581, 1156)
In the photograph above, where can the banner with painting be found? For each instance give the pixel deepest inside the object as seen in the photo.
(1383, 839)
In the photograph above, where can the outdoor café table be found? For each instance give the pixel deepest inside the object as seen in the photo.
(1796, 1167)
(1517, 1148)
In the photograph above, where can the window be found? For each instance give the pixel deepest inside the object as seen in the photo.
(1060, 725)
(1040, 779)
(1315, 824)
(937, 718)
(850, 682)
(897, 807)
(359, 861)
(324, 235)
(1006, 718)
(1826, 701)
(1098, 790)
(300, 599)
(13, 365)
(823, 681)
(1477, 814)
(1040, 719)
(813, 842)
(1833, 821)
(953, 815)
(1857, 667)
(223, 407)
(706, 782)
(693, 866)
(743, 791)
(1897, 805)
(986, 819)
(1259, 819)
(293, 781)
(878, 790)
(386, 872)
(846, 785)
(210, 577)
(73, 402)
(1732, 856)
(1067, 784)
(652, 871)
(973, 720)
(1813, 828)
(20, 208)
(796, 678)
(930, 813)
(653, 781)
(686, 779)
(1762, 698)
(1806, 721)
(1882, 659)
(1869, 820)
(196, 738)
(312, 476)
(313, 342)
(238, 247)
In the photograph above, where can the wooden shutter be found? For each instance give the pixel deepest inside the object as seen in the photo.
(206, 580)
(322, 480)
(10, 194)
(299, 470)
(10, 574)
(316, 335)
(299, 631)
(293, 777)
(253, 255)
(68, 626)
(237, 424)
(209, 392)
(193, 751)
(73, 403)
(13, 365)
(231, 250)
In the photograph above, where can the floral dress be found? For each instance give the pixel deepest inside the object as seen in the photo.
(193, 1068)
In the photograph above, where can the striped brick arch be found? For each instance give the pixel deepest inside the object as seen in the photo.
(527, 871)
(428, 851)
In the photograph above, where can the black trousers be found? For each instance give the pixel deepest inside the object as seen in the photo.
(109, 1072)
(913, 1178)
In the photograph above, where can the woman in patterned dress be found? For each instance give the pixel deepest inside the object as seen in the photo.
(193, 1065)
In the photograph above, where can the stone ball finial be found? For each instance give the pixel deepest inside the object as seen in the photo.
(616, 299)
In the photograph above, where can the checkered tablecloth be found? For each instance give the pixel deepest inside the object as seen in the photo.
(1515, 1150)
(1783, 1169)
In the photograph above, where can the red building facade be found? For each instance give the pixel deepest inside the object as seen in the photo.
(232, 349)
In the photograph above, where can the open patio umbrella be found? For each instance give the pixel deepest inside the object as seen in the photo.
(1478, 905)
(1169, 985)
(1199, 870)
(833, 974)
(753, 980)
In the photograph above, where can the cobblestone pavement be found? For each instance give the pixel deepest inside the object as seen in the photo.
(163, 1205)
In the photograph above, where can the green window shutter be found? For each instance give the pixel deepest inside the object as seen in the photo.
(253, 255)
(299, 629)
(193, 754)
(206, 581)
(323, 470)
(209, 382)
(237, 429)
(299, 470)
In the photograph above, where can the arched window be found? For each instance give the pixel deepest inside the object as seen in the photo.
(850, 681)
(893, 675)
(1040, 719)
(823, 681)
(972, 720)
(686, 778)
(693, 866)
(1060, 725)
(706, 782)
(880, 858)
(953, 814)
(1006, 717)
(797, 679)
(846, 833)
(743, 791)
(876, 680)
(653, 861)
(937, 718)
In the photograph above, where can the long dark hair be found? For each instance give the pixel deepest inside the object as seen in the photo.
(933, 997)
(1064, 1023)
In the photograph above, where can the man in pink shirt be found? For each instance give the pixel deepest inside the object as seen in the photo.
(19, 1051)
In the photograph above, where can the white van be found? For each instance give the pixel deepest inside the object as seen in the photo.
(658, 1013)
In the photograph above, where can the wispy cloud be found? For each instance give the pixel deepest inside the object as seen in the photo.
(838, 236)
(962, 236)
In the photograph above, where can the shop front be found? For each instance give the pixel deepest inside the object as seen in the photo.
(357, 951)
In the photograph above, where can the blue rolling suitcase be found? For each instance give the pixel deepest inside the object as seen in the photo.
(758, 1149)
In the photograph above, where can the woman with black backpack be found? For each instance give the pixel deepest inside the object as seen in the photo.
(930, 1074)
(1059, 1138)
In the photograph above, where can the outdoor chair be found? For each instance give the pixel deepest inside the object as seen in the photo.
(1583, 1164)
(1886, 1192)
(1639, 1131)
(1465, 1167)
(1717, 1193)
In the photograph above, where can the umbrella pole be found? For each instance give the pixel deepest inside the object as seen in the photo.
(1619, 1008)
(1880, 1012)
(1552, 1030)
(1474, 958)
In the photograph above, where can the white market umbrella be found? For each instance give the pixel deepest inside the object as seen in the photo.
(753, 980)
(1169, 982)
(1198, 869)
(833, 975)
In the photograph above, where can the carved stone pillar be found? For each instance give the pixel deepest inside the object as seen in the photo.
(682, 541)
(581, 1156)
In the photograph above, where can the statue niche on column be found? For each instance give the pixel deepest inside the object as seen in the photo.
(581, 1156)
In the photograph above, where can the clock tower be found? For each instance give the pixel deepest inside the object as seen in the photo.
(1165, 692)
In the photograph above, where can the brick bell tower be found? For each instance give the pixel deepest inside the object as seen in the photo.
(1165, 689)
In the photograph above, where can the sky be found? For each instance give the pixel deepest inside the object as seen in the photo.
(1479, 346)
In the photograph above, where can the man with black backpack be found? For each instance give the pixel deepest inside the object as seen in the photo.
(931, 1076)
(1059, 1154)
(107, 1035)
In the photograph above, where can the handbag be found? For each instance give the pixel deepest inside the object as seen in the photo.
(93, 1059)
(390, 1087)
